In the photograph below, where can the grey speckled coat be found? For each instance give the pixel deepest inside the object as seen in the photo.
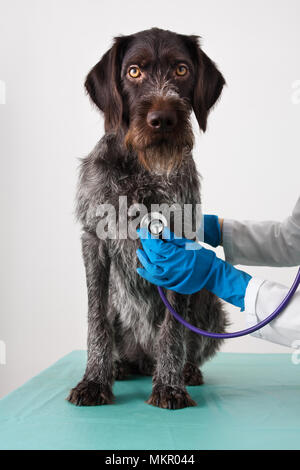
(129, 329)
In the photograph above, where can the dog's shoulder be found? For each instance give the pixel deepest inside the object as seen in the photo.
(106, 150)
(96, 174)
(95, 167)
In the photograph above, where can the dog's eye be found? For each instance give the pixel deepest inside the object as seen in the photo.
(181, 70)
(134, 71)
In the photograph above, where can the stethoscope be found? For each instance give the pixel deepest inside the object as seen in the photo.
(155, 222)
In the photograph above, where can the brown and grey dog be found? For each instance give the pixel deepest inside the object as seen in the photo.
(147, 86)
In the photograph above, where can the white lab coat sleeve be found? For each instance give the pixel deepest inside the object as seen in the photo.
(265, 243)
(261, 299)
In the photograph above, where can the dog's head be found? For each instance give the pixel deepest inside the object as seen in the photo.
(147, 84)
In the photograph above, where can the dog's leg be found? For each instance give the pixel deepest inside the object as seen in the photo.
(168, 380)
(96, 386)
(205, 312)
(192, 374)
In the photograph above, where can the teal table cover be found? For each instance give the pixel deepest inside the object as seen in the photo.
(249, 401)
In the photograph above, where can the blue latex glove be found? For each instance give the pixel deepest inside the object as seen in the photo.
(212, 230)
(171, 263)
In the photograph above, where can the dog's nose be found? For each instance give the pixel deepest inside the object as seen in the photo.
(164, 119)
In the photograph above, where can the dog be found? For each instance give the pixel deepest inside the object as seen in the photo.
(147, 85)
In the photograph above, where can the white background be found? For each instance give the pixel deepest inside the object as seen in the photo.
(249, 157)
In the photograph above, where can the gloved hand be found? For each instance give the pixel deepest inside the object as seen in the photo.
(171, 263)
(212, 230)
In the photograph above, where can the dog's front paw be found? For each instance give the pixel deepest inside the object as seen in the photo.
(173, 398)
(192, 374)
(88, 393)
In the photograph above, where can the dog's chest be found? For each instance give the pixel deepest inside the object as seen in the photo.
(150, 189)
(132, 195)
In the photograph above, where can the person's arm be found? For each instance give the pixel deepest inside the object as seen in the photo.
(263, 243)
(171, 264)
(261, 299)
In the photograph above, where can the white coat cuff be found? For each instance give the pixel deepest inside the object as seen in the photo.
(227, 230)
(252, 290)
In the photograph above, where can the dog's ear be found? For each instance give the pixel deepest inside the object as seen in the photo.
(103, 83)
(208, 84)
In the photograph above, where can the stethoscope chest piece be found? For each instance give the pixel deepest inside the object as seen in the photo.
(154, 222)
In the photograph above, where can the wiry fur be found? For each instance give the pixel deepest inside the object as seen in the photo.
(129, 329)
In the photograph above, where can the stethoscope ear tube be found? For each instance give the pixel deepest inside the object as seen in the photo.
(235, 334)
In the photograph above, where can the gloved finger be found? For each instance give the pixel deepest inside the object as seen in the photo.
(151, 268)
(155, 258)
(143, 233)
(160, 247)
(154, 280)
(172, 237)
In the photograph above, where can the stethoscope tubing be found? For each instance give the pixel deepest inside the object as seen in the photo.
(235, 334)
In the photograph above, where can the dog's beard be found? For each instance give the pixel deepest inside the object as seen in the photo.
(164, 155)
